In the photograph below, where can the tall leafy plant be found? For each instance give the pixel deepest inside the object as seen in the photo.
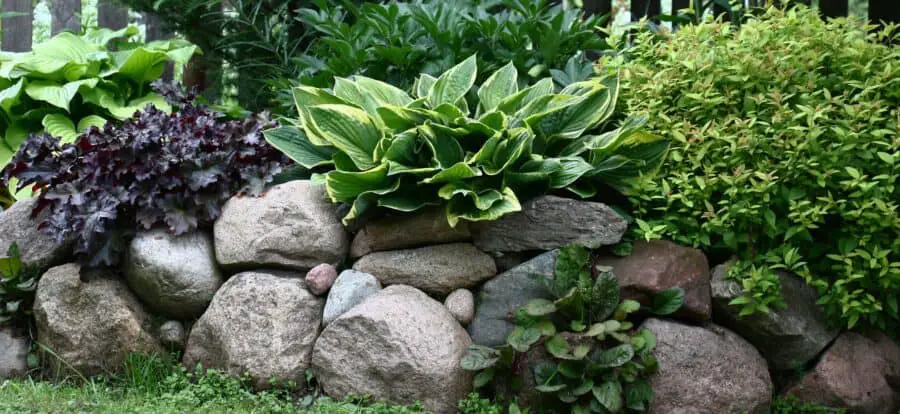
(384, 148)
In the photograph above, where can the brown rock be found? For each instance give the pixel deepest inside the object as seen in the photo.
(858, 373)
(320, 279)
(658, 265)
(423, 228)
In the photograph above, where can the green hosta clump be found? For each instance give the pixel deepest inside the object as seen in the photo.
(479, 158)
(786, 152)
(70, 83)
(596, 361)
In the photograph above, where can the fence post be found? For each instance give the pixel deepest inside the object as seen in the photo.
(17, 30)
(601, 7)
(156, 31)
(642, 8)
(886, 10)
(65, 15)
(111, 15)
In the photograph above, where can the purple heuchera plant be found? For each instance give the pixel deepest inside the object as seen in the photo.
(154, 170)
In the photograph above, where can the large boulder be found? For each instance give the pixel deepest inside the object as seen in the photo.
(259, 323)
(13, 354)
(857, 372)
(706, 370)
(437, 269)
(92, 324)
(176, 276)
(400, 346)
(293, 226)
(500, 297)
(787, 337)
(35, 248)
(550, 222)
(423, 228)
(658, 265)
(349, 290)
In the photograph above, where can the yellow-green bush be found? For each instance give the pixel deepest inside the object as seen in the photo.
(785, 153)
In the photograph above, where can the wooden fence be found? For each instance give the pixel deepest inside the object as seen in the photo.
(886, 10)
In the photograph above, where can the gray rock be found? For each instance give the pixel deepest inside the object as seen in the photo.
(36, 248)
(260, 323)
(172, 335)
(461, 304)
(13, 354)
(91, 325)
(787, 337)
(550, 222)
(423, 228)
(501, 296)
(349, 290)
(176, 276)
(857, 372)
(659, 265)
(509, 260)
(293, 226)
(320, 278)
(437, 269)
(706, 370)
(400, 346)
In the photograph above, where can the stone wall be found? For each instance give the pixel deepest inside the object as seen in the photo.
(262, 294)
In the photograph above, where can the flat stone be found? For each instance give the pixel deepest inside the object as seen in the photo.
(550, 222)
(499, 298)
(292, 226)
(261, 323)
(461, 304)
(706, 370)
(92, 325)
(659, 265)
(14, 349)
(35, 248)
(400, 346)
(437, 269)
(176, 276)
(349, 290)
(788, 337)
(424, 228)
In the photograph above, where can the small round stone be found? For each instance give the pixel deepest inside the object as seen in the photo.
(461, 304)
(320, 279)
(171, 335)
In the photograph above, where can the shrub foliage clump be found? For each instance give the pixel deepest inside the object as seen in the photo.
(156, 169)
(786, 152)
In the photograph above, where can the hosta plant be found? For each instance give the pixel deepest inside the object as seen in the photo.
(477, 152)
(579, 352)
(155, 170)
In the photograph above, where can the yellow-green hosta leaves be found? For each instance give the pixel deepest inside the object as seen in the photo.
(394, 151)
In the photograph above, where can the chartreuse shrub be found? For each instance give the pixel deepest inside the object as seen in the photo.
(478, 159)
(786, 153)
(70, 83)
(173, 171)
(596, 361)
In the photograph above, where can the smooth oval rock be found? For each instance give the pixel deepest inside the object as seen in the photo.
(14, 349)
(399, 346)
(550, 222)
(292, 226)
(260, 323)
(437, 269)
(424, 228)
(659, 265)
(320, 278)
(858, 373)
(172, 335)
(707, 370)
(461, 304)
(176, 276)
(788, 337)
(349, 290)
(92, 325)
(35, 248)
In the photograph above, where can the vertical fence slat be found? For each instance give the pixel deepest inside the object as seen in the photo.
(65, 15)
(17, 31)
(833, 8)
(601, 7)
(156, 31)
(886, 10)
(111, 15)
(642, 8)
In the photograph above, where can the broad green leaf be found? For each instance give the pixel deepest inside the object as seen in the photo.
(604, 295)
(461, 209)
(501, 151)
(293, 143)
(444, 146)
(615, 356)
(668, 301)
(573, 119)
(550, 388)
(423, 84)
(139, 64)
(514, 103)
(627, 307)
(306, 97)
(483, 378)
(182, 55)
(54, 94)
(500, 85)
(559, 347)
(102, 36)
(383, 93)
(346, 186)
(127, 111)
(571, 169)
(10, 95)
(521, 338)
(453, 84)
(64, 53)
(458, 172)
(609, 395)
(479, 357)
(407, 201)
(539, 307)
(90, 121)
(638, 395)
(400, 118)
(60, 126)
(349, 129)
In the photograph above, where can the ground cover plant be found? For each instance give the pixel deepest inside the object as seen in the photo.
(380, 147)
(154, 170)
(580, 351)
(785, 153)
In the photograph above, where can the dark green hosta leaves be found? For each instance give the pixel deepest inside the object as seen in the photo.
(615, 357)
(604, 295)
(668, 301)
